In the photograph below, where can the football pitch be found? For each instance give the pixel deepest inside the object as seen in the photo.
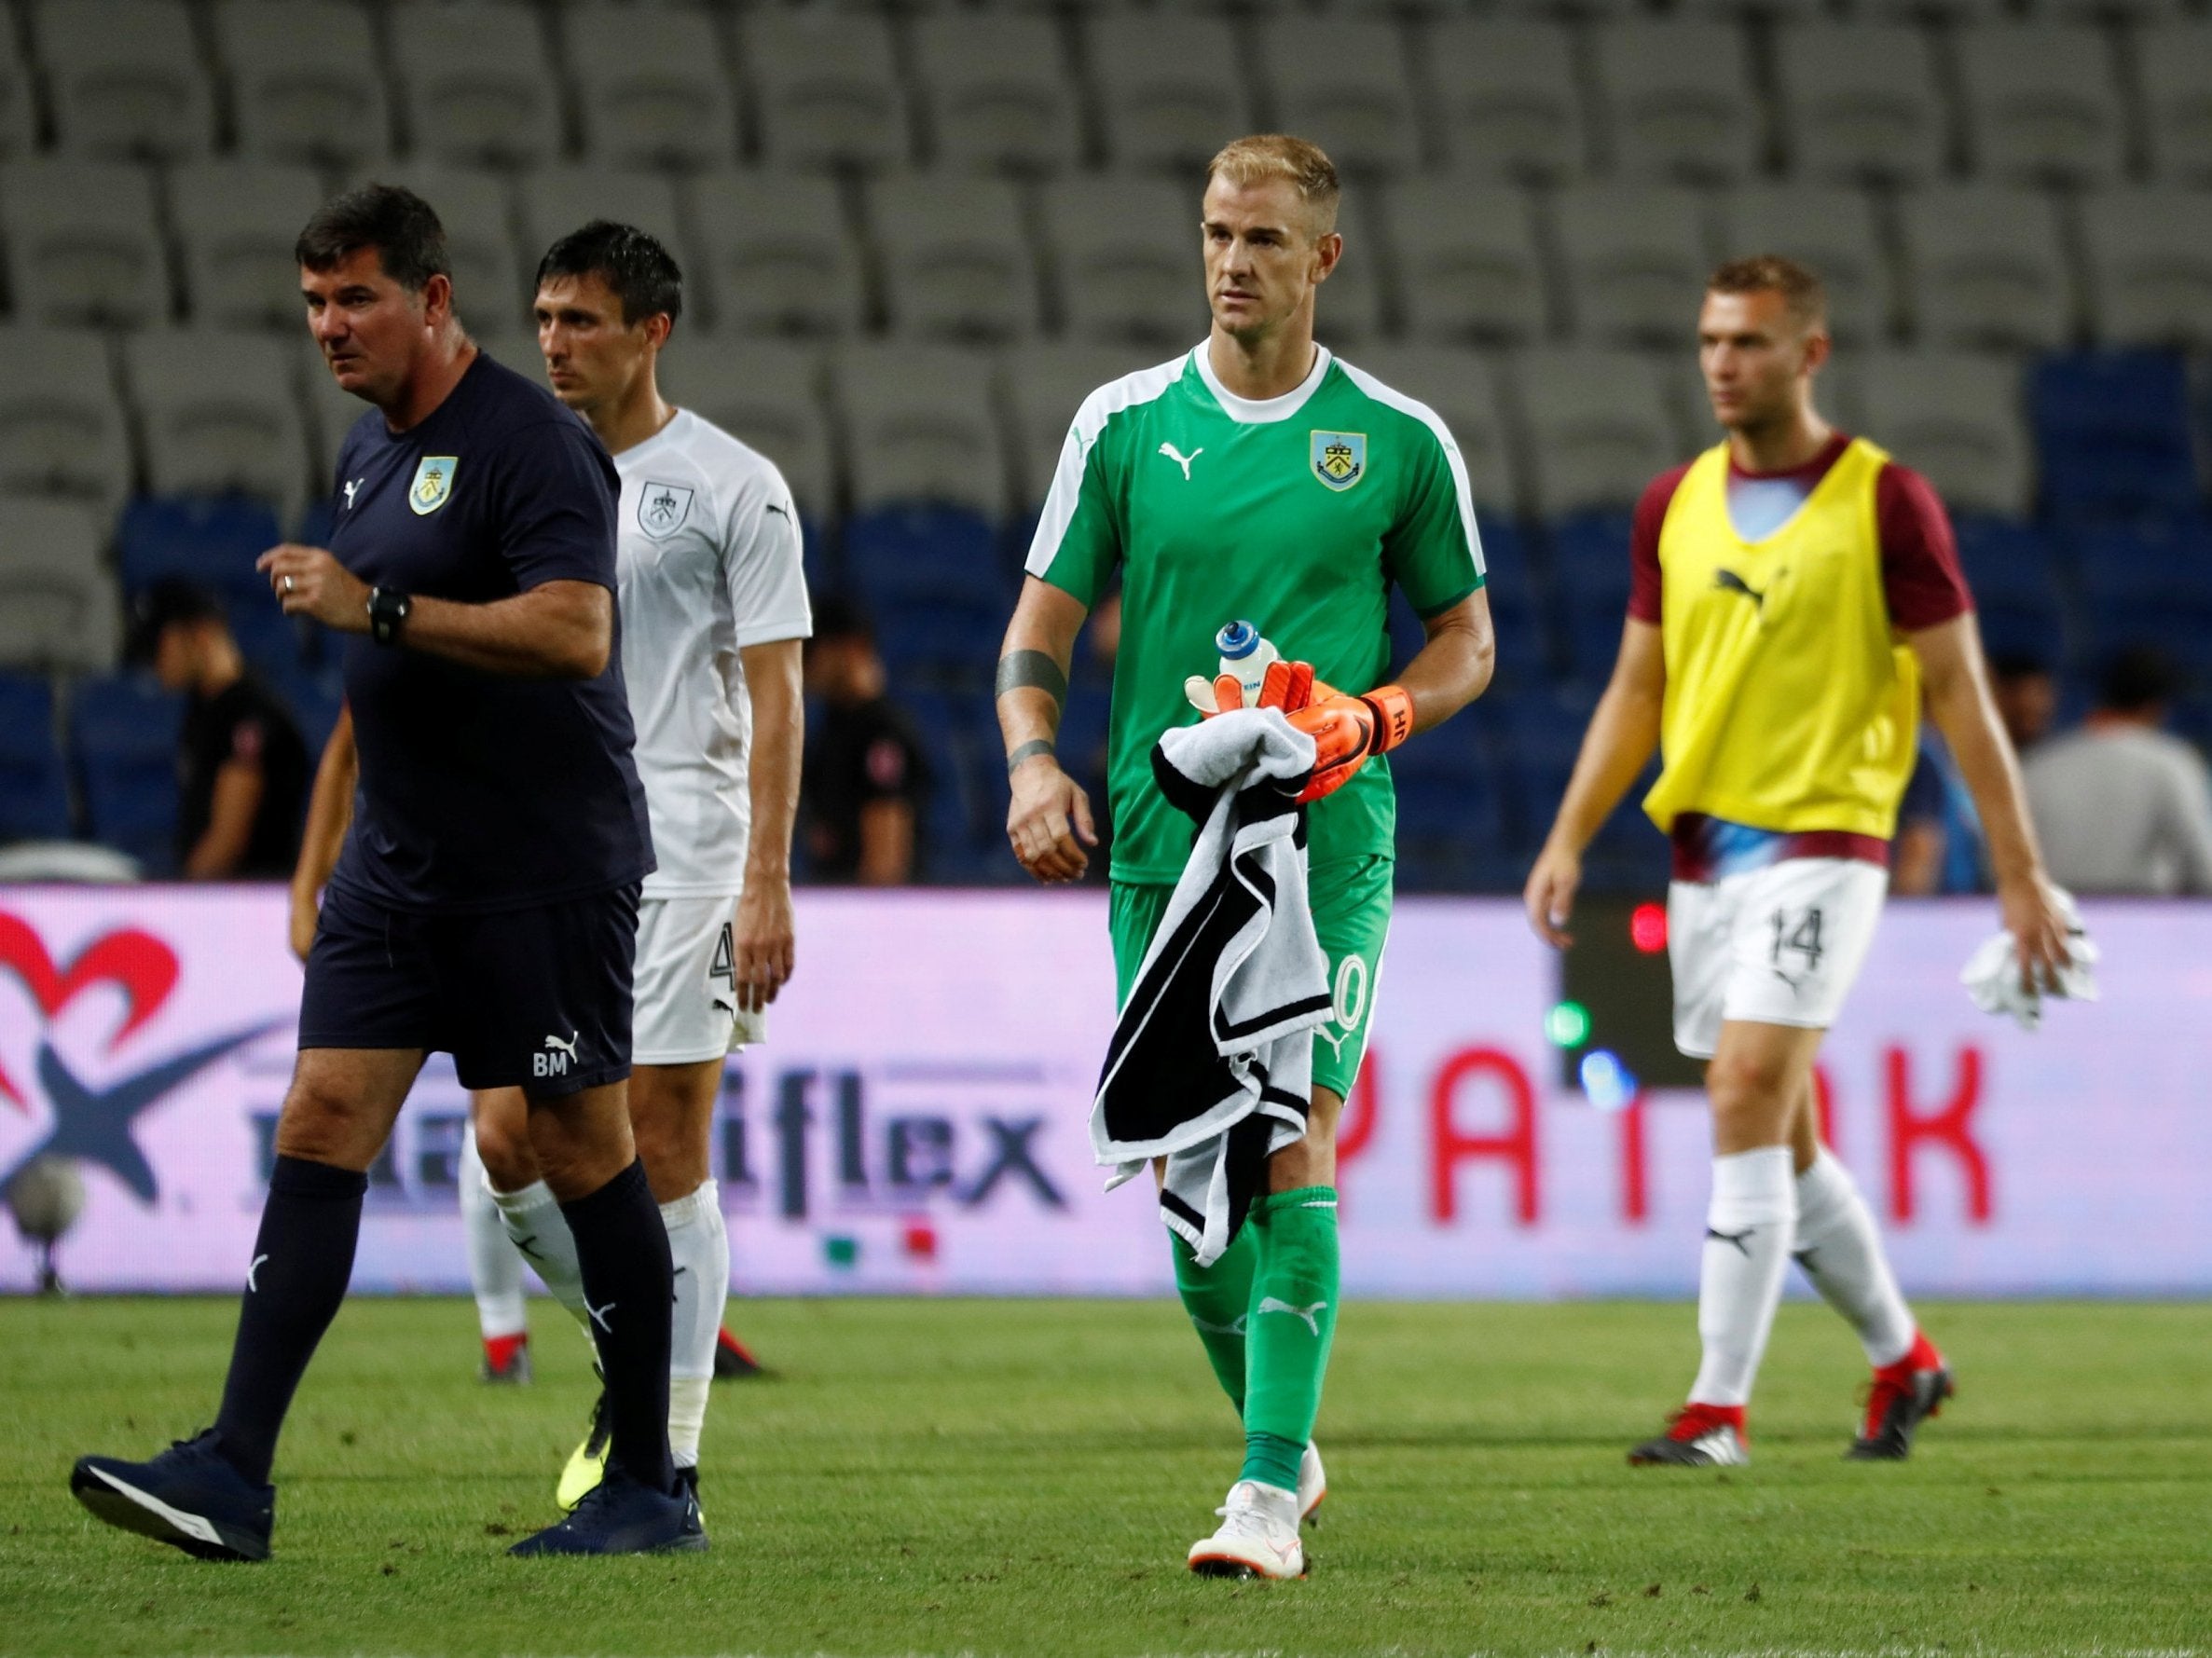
(1024, 1477)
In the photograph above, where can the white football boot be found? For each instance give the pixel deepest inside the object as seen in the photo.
(1258, 1536)
(1313, 1483)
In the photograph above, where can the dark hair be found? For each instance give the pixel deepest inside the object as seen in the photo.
(2017, 664)
(170, 601)
(1770, 273)
(2136, 677)
(836, 617)
(410, 240)
(644, 277)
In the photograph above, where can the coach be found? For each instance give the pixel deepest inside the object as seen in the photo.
(485, 901)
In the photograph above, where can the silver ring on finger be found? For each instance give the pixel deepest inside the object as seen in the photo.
(287, 584)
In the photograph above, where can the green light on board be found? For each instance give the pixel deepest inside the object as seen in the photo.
(1567, 1025)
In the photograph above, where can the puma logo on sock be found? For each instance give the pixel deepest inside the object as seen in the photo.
(1735, 1238)
(1311, 1315)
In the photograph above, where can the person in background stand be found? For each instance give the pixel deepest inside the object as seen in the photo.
(865, 780)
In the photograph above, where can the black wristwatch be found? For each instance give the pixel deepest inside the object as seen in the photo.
(388, 609)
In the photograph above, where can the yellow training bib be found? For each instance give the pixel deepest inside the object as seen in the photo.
(1789, 703)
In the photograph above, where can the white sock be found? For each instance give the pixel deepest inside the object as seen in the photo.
(1748, 1228)
(495, 1268)
(699, 1242)
(533, 1220)
(1842, 1254)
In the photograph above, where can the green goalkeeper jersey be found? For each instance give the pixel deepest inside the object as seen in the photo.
(1296, 514)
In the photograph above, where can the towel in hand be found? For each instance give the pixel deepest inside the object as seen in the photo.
(1212, 1061)
(1992, 976)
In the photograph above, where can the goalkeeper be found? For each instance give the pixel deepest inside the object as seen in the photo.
(1255, 477)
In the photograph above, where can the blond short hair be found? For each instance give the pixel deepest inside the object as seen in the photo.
(1264, 156)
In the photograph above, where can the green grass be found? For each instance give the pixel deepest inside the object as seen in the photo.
(930, 1477)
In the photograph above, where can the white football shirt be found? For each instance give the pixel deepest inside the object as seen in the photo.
(707, 562)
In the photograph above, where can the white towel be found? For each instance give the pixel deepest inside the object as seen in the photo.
(1992, 974)
(1212, 1061)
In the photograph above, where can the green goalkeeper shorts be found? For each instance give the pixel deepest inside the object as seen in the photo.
(1352, 918)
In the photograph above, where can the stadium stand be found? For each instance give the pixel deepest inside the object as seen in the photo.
(123, 741)
(34, 779)
(917, 234)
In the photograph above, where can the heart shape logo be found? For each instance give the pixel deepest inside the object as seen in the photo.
(140, 965)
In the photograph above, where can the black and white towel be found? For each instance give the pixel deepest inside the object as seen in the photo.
(1212, 1062)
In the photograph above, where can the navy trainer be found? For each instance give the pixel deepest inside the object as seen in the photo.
(188, 1496)
(620, 1516)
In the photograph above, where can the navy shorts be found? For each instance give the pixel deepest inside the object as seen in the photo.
(537, 999)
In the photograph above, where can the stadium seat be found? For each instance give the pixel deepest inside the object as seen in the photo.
(1506, 97)
(652, 86)
(1046, 384)
(766, 393)
(490, 289)
(123, 738)
(2042, 103)
(1956, 418)
(999, 92)
(1469, 267)
(220, 415)
(2098, 11)
(1461, 387)
(2148, 584)
(1831, 228)
(2012, 573)
(34, 781)
(297, 84)
(827, 95)
(1596, 426)
(19, 106)
(559, 198)
(2148, 253)
(1678, 100)
(57, 604)
(1172, 92)
(778, 253)
(934, 578)
(1925, 11)
(1635, 260)
(209, 539)
(1986, 266)
(1129, 259)
(1764, 10)
(955, 262)
(237, 222)
(2174, 75)
(478, 88)
(1355, 308)
(921, 429)
(1859, 101)
(82, 244)
(1345, 87)
(125, 77)
(2112, 435)
(1520, 604)
(62, 429)
(1581, 10)
(1450, 823)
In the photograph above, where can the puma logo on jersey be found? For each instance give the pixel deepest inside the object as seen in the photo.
(1311, 1315)
(557, 1057)
(252, 1270)
(1729, 582)
(1180, 458)
(351, 485)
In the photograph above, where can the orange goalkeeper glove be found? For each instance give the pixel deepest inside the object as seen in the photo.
(1347, 729)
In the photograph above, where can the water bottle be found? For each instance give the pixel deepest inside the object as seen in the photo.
(1245, 657)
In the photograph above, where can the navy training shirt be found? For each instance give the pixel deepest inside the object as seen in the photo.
(483, 791)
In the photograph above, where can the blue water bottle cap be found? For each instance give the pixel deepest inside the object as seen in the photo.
(1238, 640)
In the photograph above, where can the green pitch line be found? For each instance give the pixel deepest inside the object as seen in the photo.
(940, 1478)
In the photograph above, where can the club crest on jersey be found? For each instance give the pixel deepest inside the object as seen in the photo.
(433, 483)
(1339, 457)
(662, 508)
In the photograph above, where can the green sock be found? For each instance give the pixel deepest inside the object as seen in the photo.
(1294, 1316)
(1217, 1299)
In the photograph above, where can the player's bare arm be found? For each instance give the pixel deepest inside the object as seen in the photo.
(1048, 819)
(1959, 703)
(764, 935)
(558, 630)
(1454, 666)
(330, 809)
(230, 821)
(1623, 735)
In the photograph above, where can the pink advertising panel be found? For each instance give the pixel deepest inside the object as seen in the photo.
(916, 1122)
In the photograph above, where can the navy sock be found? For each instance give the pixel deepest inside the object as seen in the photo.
(303, 1257)
(629, 1290)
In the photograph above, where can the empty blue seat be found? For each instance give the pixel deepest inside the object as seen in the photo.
(213, 540)
(944, 554)
(34, 781)
(2112, 435)
(123, 735)
(2012, 571)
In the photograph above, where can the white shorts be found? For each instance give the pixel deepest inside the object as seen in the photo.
(1778, 946)
(687, 984)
